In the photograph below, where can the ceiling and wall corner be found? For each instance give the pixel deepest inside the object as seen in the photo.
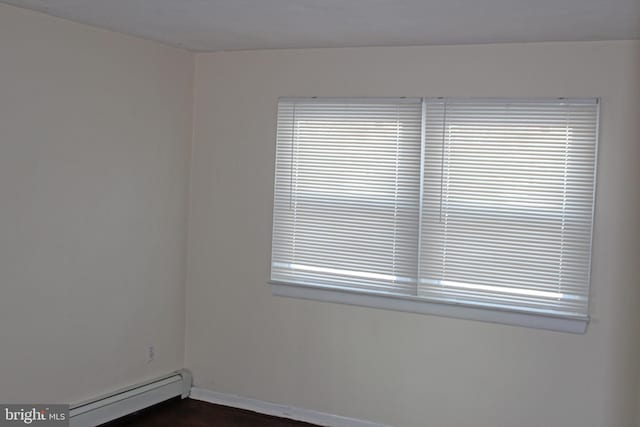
(213, 25)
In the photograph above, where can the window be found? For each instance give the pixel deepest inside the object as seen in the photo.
(477, 208)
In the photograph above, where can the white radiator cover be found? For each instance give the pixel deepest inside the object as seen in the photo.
(131, 399)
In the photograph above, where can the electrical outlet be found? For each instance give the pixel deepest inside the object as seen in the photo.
(151, 354)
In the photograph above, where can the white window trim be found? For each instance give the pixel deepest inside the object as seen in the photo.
(411, 304)
(421, 306)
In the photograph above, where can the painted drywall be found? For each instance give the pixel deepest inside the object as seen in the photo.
(399, 368)
(95, 132)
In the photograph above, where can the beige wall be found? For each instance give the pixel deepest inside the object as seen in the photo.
(95, 134)
(399, 368)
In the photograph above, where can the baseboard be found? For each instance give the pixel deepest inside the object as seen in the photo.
(278, 410)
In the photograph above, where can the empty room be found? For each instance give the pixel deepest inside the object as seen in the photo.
(344, 213)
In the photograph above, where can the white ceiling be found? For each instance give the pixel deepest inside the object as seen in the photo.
(210, 25)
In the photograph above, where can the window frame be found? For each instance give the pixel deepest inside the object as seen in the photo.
(481, 311)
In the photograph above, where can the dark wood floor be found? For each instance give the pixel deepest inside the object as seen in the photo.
(194, 413)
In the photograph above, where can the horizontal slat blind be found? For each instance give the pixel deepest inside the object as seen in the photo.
(346, 200)
(478, 202)
(507, 204)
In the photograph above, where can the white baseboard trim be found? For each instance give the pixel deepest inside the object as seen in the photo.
(278, 410)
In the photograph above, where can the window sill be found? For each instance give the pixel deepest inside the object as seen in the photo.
(414, 305)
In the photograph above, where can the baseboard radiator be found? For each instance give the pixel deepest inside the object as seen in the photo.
(131, 399)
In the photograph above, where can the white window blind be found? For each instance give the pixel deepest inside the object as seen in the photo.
(347, 194)
(476, 203)
(508, 202)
